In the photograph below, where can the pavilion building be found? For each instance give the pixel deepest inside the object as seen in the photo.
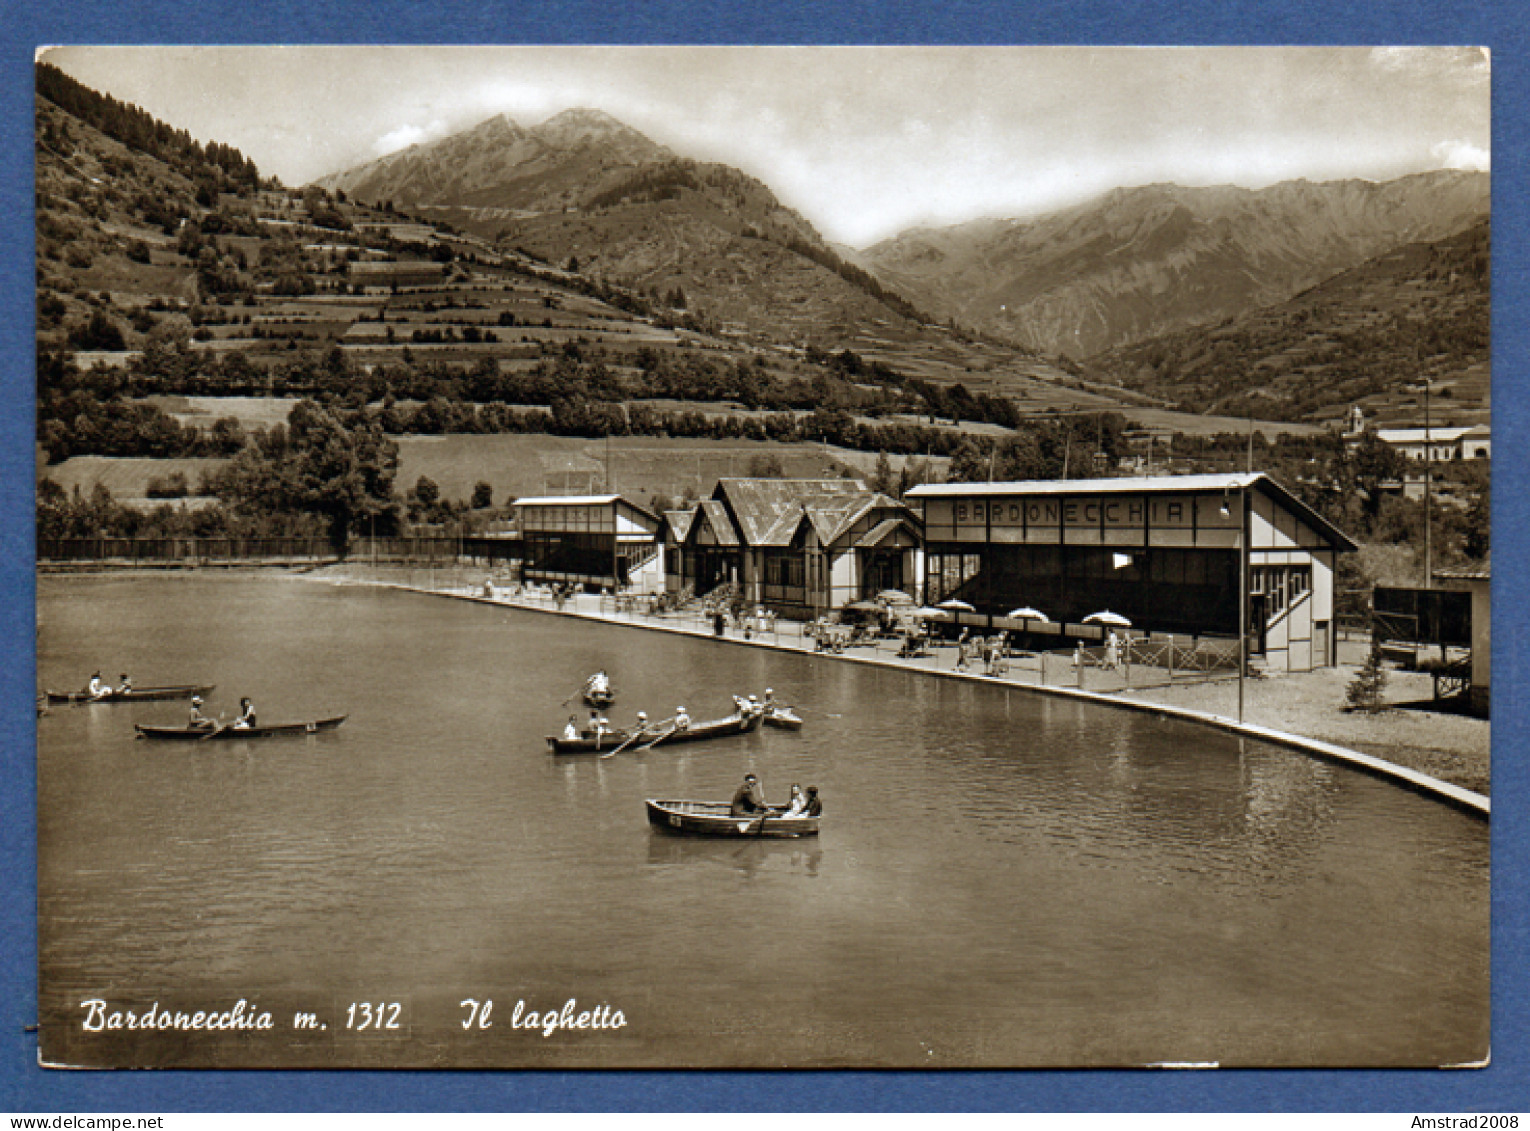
(1165, 553)
(590, 541)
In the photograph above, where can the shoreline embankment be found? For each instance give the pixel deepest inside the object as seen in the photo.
(1284, 701)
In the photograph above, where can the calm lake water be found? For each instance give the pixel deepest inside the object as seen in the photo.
(1003, 878)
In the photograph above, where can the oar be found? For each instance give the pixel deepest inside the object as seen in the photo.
(219, 729)
(763, 818)
(639, 733)
(662, 736)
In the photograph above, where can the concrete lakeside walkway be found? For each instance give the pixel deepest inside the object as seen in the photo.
(788, 636)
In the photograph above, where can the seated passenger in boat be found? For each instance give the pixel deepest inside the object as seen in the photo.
(246, 718)
(598, 727)
(571, 729)
(124, 685)
(797, 803)
(740, 705)
(682, 720)
(199, 721)
(749, 801)
(97, 687)
(814, 807)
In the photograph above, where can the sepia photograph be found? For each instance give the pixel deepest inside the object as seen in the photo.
(658, 557)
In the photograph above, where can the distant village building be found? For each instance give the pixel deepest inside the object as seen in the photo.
(1440, 445)
(1164, 552)
(594, 541)
(799, 546)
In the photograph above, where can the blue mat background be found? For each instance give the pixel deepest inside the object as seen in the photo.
(28, 24)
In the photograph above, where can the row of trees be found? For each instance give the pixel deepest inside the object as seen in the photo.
(324, 472)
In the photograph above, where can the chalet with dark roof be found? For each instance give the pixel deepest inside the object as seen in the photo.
(799, 546)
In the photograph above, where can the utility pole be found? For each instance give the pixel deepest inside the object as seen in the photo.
(1428, 493)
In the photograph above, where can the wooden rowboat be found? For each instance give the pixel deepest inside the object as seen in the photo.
(136, 694)
(783, 717)
(711, 818)
(716, 728)
(214, 734)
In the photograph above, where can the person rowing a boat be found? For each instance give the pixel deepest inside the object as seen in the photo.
(198, 720)
(125, 685)
(682, 721)
(748, 801)
(246, 719)
(598, 727)
(97, 688)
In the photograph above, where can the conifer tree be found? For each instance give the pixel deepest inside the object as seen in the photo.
(1365, 690)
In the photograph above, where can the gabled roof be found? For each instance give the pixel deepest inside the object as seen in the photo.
(760, 504)
(1483, 571)
(881, 532)
(717, 518)
(1436, 435)
(679, 522)
(565, 500)
(582, 501)
(1145, 485)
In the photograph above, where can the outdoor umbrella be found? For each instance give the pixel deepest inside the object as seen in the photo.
(1028, 613)
(1115, 620)
(895, 597)
(864, 607)
(927, 611)
(956, 606)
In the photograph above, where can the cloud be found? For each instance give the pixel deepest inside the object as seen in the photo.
(405, 136)
(1465, 65)
(1463, 155)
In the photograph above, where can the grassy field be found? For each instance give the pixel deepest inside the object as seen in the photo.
(127, 479)
(638, 467)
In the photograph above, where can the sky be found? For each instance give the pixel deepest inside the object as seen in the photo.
(863, 141)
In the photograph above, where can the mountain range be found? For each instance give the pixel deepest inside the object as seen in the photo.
(584, 188)
(1126, 267)
(1417, 312)
(1136, 263)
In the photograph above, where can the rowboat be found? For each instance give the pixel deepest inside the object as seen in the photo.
(716, 728)
(136, 694)
(269, 730)
(783, 717)
(711, 818)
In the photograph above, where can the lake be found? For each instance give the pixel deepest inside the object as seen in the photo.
(1003, 878)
